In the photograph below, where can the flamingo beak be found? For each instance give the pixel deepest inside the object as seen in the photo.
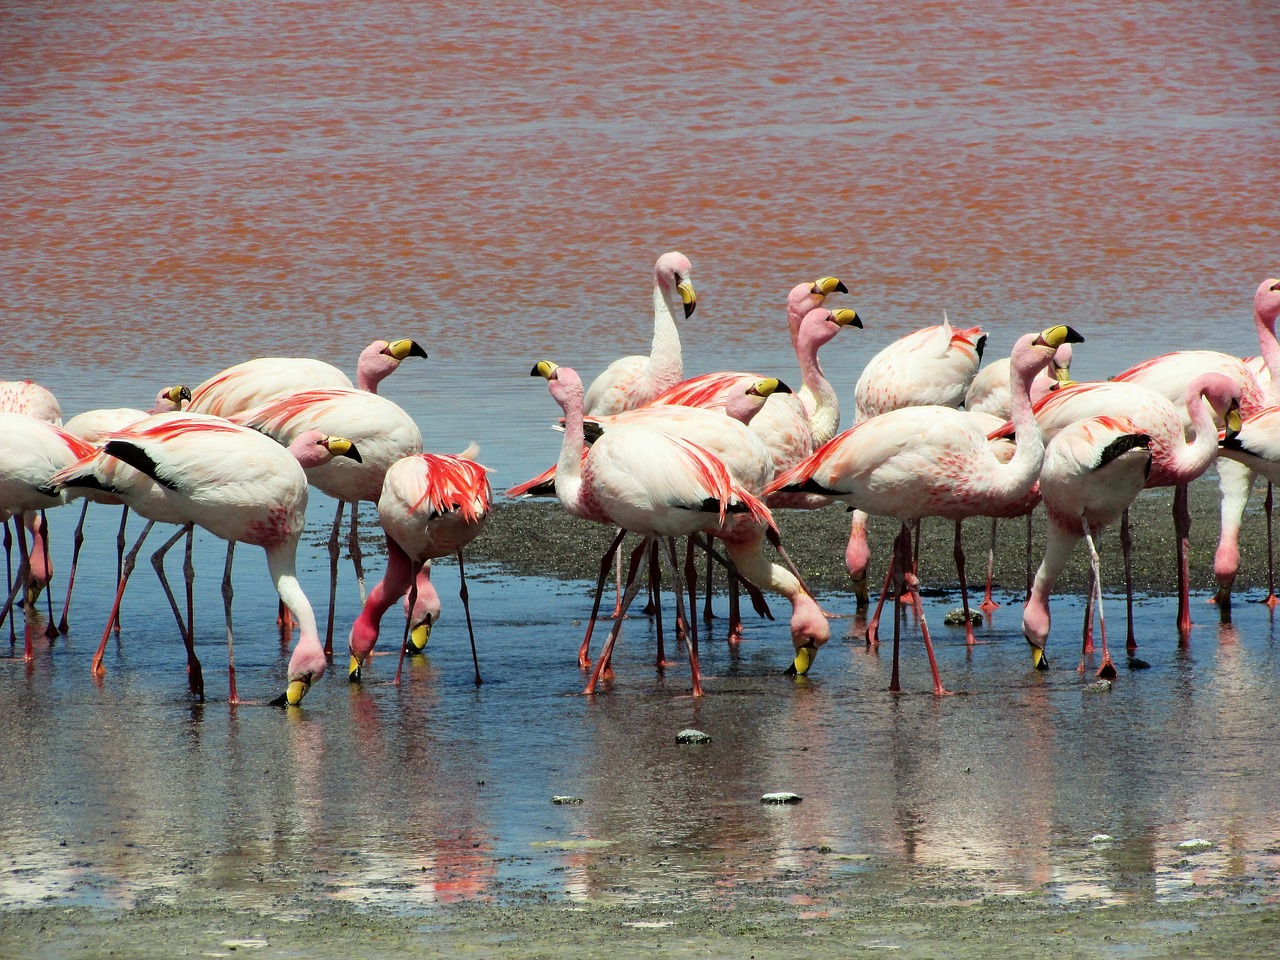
(353, 669)
(803, 661)
(178, 394)
(342, 447)
(846, 318)
(400, 349)
(294, 693)
(545, 369)
(1056, 336)
(1038, 658)
(419, 636)
(1232, 420)
(825, 286)
(687, 297)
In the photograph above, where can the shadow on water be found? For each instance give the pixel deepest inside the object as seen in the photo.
(435, 791)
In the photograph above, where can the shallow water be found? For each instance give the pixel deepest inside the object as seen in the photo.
(435, 791)
(189, 184)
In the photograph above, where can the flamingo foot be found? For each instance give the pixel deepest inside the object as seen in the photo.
(1107, 671)
(987, 605)
(1271, 600)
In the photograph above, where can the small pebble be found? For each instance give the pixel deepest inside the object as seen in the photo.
(780, 798)
(566, 799)
(1194, 845)
(1101, 838)
(1101, 686)
(692, 736)
(955, 618)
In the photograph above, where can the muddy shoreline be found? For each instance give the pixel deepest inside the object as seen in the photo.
(536, 537)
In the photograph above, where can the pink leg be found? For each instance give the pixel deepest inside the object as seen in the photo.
(632, 588)
(1126, 548)
(1107, 671)
(1272, 599)
(655, 585)
(126, 570)
(195, 677)
(227, 595)
(584, 659)
(1182, 528)
(897, 570)
(913, 588)
(873, 625)
(333, 579)
(958, 552)
(691, 575)
(77, 541)
(408, 622)
(988, 602)
(1086, 631)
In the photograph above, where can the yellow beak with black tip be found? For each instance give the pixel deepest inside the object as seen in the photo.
(1059, 334)
(825, 286)
(342, 447)
(687, 296)
(400, 349)
(1038, 658)
(294, 693)
(178, 394)
(846, 318)
(353, 669)
(767, 387)
(545, 369)
(1232, 419)
(804, 660)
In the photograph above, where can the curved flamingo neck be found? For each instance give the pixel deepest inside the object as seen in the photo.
(568, 393)
(1269, 348)
(308, 655)
(800, 301)
(1193, 458)
(1024, 467)
(817, 396)
(665, 363)
(393, 585)
(744, 406)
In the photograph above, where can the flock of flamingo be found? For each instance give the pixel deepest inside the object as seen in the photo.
(648, 452)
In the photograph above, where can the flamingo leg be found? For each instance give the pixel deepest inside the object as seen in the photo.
(896, 570)
(913, 588)
(50, 631)
(333, 579)
(691, 575)
(77, 541)
(8, 606)
(873, 625)
(655, 585)
(1086, 631)
(682, 626)
(353, 547)
(633, 587)
(958, 551)
(195, 676)
(1107, 671)
(707, 613)
(25, 578)
(988, 602)
(735, 605)
(617, 602)
(1182, 529)
(126, 570)
(8, 563)
(465, 597)
(1271, 599)
(120, 543)
(408, 623)
(1126, 548)
(637, 559)
(584, 659)
(227, 595)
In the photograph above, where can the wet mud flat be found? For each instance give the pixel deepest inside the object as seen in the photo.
(826, 922)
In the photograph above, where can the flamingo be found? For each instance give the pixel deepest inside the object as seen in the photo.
(380, 429)
(915, 462)
(1093, 470)
(31, 451)
(932, 366)
(431, 506)
(254, 382)
(29, 397)
(1169, 375)
(633, 381)
(94, 426)
(244, 488)
(653, 483)
(1175, 460)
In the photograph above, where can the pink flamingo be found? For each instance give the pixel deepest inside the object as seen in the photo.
(650, 482)
(1169, 374)
(915, 462)
(932, 366)
(93, 426)
(1175, 461)
(633, 381)
(244, 488)
(31, 452)
(431, 506)
(380, 429)
(254, 382)
(1093, 469)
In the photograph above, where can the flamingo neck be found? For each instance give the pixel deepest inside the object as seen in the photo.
(569, 466)
(743, 407)
(1024, 467)
(665, 363)
(1035, 614)
(817, 396)
(308, 655)
(393, 585)
(1270, 350)
(1193, 458)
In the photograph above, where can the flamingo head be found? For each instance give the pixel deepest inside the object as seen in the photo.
(564, 383)
(1222, 394)
(306, 666)
(672, 274)
(380, 359)
(313, 448)
(171, 398)
(1035, 351)
(809, 296)
(1266, 302)
(820, 325)
(809, 631)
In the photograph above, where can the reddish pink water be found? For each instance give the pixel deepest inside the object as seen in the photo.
(188, 184)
